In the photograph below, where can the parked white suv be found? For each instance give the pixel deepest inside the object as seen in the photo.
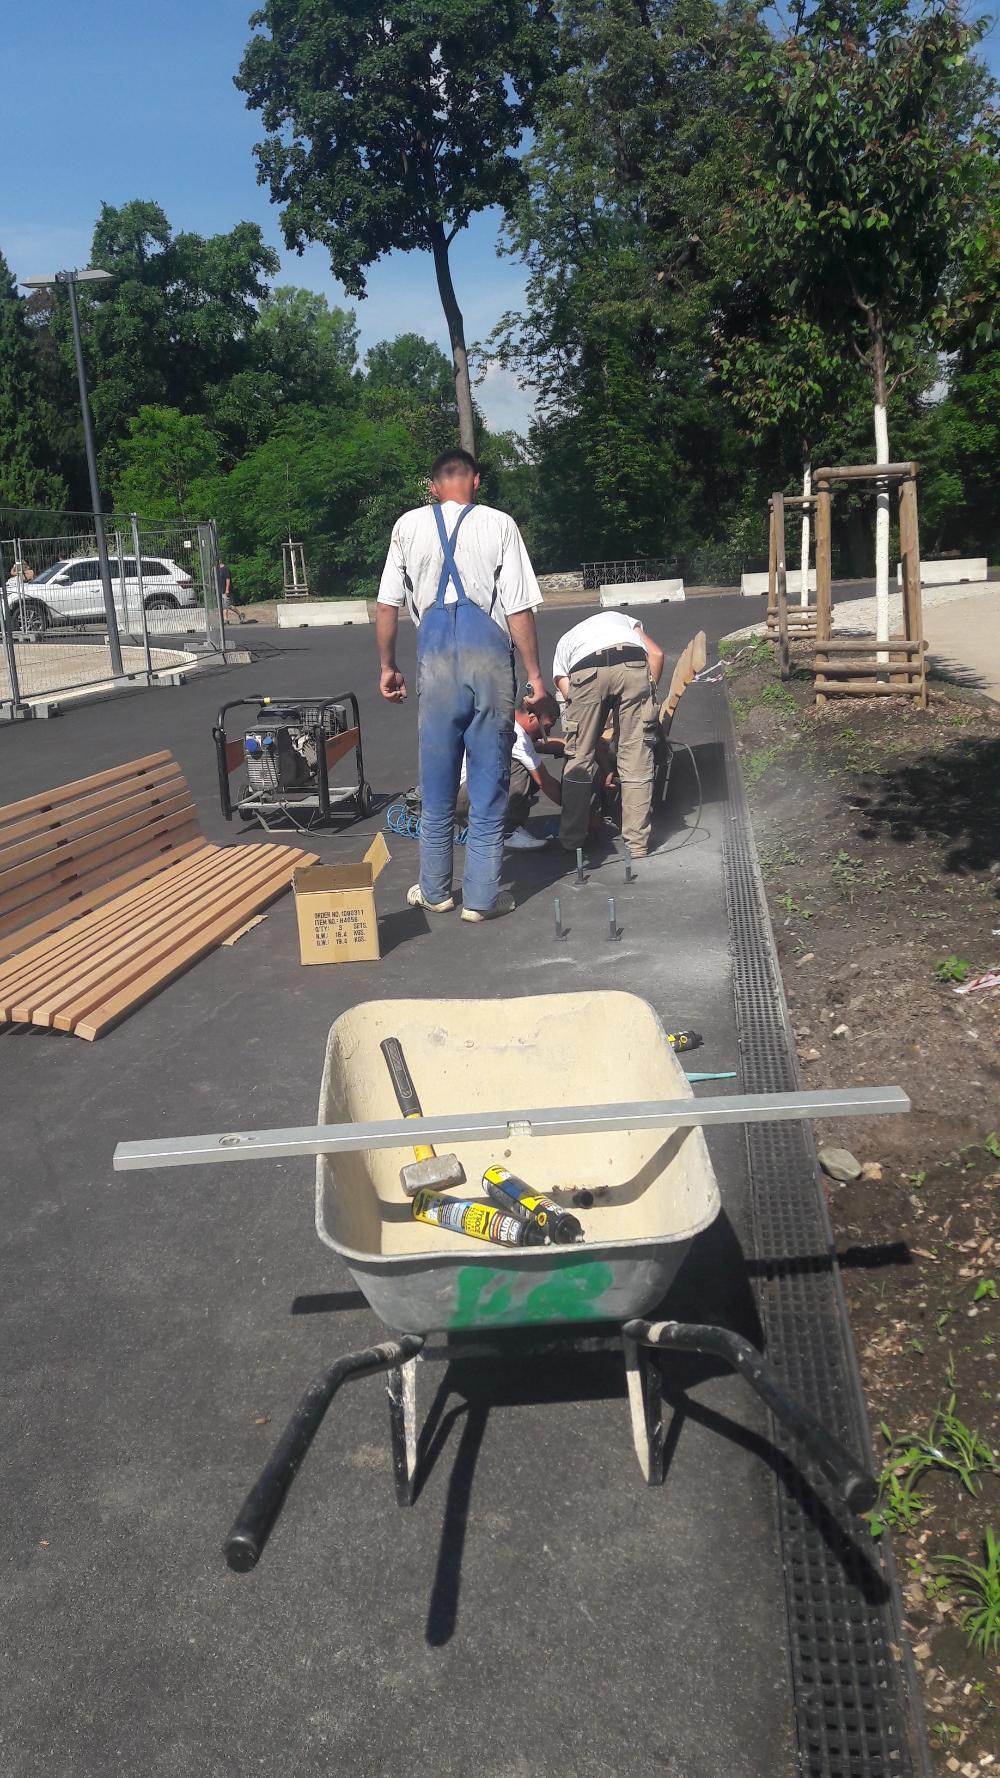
(70, 592)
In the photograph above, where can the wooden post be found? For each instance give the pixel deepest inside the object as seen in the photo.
(909, 549)
(772, 566)
(781, 584)
(824, 564)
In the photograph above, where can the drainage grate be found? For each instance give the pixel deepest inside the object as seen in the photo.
(857, 1713)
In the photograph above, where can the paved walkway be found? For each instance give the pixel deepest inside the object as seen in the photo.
(964, 639)
(538, 1613)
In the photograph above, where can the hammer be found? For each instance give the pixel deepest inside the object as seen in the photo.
(428, 1171)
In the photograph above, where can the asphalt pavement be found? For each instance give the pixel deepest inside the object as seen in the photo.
(538, 1613)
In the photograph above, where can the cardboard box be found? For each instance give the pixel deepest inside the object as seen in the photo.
(335, 907)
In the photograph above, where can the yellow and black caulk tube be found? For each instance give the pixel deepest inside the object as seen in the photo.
(466, 1216)
(512, 1194)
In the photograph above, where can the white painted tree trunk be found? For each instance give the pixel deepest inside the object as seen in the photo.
(882, 529)
(806, 491)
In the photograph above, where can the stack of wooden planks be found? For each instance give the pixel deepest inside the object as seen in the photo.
(108, 890)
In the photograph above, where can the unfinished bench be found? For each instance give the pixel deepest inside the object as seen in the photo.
(108, 890)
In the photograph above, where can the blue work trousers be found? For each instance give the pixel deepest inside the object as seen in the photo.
(465, 687)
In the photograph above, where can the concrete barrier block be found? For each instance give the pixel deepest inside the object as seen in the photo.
(752, 585)
(643, 592)
(303, 614)
(953, 573)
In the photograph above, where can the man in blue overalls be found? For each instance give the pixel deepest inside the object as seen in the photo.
(464, 575)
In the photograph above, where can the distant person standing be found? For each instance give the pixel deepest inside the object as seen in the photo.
(224, 582)
(464, 574)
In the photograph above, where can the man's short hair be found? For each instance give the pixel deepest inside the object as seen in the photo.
(452, 461)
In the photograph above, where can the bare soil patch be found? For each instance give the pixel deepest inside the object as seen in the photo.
(878, 828)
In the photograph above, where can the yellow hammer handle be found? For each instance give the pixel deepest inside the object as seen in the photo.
(422, 1151)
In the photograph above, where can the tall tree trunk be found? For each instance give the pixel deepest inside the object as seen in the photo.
(806, 491)
(882, 500)
(456, 334)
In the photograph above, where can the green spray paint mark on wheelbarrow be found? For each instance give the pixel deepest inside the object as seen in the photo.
(486, 1297)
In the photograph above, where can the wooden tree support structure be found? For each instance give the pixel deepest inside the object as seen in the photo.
(863, 666)
(787, 623)
(295, 581)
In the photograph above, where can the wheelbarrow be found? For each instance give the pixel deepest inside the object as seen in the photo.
(625, 1151)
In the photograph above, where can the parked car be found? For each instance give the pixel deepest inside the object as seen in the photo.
(70, 592)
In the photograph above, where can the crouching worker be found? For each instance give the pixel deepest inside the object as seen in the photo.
(528, 777)
(607, 669)
(464, 573)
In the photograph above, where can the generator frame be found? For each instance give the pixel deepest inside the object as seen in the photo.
(326, 802)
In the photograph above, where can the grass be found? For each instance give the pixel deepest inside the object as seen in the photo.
(978, 1584)
(948, 1445)
(953, 969)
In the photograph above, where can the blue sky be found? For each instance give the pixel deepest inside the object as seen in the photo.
(124, 99)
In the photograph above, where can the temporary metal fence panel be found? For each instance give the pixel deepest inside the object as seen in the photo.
(53, 618)
(630, 571)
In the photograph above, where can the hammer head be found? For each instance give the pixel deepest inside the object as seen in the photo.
(434, 1174)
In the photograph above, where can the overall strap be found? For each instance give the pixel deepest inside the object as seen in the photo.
(449, 571)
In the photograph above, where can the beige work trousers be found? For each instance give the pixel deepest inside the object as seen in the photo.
(595, 693)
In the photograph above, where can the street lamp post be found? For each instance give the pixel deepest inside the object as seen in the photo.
(71, 280)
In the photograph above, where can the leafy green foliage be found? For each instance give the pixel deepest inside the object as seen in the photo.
(952, 969)
(168, 462)
(28, 476)
(390, 125)
(979, 1583)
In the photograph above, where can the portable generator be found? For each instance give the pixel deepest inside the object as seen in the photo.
(286, 754)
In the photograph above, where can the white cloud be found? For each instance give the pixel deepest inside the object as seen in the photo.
(508, 407)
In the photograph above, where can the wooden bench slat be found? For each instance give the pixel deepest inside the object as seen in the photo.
(153, 935)
(116, 990)
(68, 833)
(53, 954)
(69, 900)
(45, 820)
(60, 863)
(52, 923)
(98, 1019)
(67, 793)
(108, 890)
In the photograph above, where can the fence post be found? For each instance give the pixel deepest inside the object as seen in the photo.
(824, 564)
(781, 580)
(772, 567)
(214, 551)
(909, 549)
(8, 640)
(143, 619)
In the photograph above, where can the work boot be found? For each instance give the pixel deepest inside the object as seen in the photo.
(523, 841)
(504, 904)
(415, 899)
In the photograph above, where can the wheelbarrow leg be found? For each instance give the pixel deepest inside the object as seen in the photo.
(645, 1401)
(401, 1387)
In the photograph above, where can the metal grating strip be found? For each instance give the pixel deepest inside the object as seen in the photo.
(857, 1710)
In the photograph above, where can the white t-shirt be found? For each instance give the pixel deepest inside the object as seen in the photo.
(489, 554)
(522, 753)
(608, 629)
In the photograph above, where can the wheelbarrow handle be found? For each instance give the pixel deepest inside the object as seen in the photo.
(846, 1472)
(255, 1520)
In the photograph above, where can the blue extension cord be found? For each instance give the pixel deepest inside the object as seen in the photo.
(400, 819)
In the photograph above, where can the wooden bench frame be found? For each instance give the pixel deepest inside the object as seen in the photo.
(108, 890)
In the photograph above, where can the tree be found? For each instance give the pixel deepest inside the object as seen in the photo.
(27, 473)
(167, 458)
(412, 363)
(175, 326)
(619, 228)
(308, 346)
(870, 156)
(391, 123)
(339, 481)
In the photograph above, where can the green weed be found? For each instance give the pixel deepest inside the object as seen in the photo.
(986, 1290)
(979, 1584)
(952, 969)
(992, 1145)
(948, 1445)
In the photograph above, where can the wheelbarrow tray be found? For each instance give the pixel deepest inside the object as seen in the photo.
(652, 1190)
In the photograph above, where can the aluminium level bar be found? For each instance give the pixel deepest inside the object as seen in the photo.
(476, 1126)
